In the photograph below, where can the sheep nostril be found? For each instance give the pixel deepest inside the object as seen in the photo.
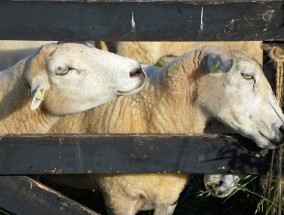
(136, 72)
(281, 128)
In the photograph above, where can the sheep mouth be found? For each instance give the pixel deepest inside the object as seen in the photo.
(219, 193)
(223, 194)
(133, 91)
(130, 92)
(122, 93)
(273, 143)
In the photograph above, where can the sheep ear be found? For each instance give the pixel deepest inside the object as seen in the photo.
(37, 96)
(217, 63)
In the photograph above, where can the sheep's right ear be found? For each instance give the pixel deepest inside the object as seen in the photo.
(217, 63)
(36, 75)
(37, 96)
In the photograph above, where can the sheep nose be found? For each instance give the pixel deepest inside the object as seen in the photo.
(137, 73)
(277, 143)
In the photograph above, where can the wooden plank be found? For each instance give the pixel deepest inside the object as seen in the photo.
(23, 195)
(189, 1)
(139, 20)
(110, 153)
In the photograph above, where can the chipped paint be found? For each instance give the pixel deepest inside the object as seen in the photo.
(133, 24)
(201, 20)
(268, 15)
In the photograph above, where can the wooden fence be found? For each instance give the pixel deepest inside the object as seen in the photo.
(156, 20)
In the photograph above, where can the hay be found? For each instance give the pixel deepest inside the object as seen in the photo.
(274, 182)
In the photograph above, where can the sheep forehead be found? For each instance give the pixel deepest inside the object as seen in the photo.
(245, 66)
(248, 64)
(67, 55)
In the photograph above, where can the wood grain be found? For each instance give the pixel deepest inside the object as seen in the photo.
(111, 153)
(142, 20)
(23, 195)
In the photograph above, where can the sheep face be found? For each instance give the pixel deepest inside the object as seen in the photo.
(233, 89)
(220, 185)
(69, 73)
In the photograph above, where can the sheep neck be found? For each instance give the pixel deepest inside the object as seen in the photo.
(15, 113)
(174, 95)
(157, 109)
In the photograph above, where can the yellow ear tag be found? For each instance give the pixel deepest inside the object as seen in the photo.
(216, 67)
(39, 95)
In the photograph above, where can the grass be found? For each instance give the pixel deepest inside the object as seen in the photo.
(4, 212)
(196, 203)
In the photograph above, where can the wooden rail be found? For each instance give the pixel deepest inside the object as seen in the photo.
(23, 195)
(110, 153)
(142, 20)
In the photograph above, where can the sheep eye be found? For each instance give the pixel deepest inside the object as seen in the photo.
(63, 71)
(247, 76)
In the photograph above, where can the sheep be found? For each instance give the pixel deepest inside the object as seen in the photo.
(162, 52)
(210, 82)
(62, 79)
(221, 185)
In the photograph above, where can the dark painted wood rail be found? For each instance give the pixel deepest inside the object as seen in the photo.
(24, 195)
(142, 20)
(111, 153)
(119, 153)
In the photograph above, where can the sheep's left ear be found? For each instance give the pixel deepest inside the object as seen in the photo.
(217, 63)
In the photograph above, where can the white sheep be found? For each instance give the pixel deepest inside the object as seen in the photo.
(163, 52)
(60, 79)
(210, 82)
(221, 185)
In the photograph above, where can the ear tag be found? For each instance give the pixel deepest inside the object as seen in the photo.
(39, 95)
(216, 67)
